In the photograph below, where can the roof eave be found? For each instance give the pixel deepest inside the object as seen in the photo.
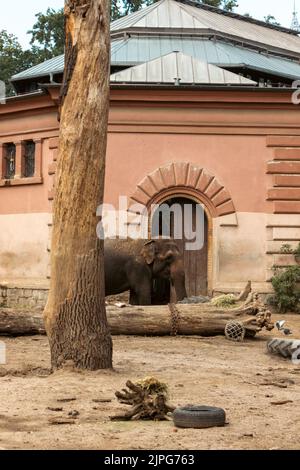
(15, 78)
(262, 70)
(25, 96)
(184, 87)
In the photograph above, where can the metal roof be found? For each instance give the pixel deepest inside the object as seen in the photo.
(163, 14)
(178, 68)
(170, 25)
(171, 14)
(55, 65)
(221, 11)
(137, 50)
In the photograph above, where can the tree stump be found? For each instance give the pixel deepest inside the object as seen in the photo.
(148, 400)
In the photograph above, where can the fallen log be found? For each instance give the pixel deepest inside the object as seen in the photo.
(162, 320)
(16, 323)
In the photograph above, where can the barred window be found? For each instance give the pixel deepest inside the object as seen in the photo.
(9, 161)
(29, 158)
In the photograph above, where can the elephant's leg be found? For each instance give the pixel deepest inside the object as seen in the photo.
(161, 292)
(133, 298)
(140, 285)
(143, 294)
(140, 298)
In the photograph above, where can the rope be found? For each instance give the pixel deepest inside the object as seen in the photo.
(175, 319)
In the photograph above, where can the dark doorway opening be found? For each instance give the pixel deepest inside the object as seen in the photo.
(195, 261)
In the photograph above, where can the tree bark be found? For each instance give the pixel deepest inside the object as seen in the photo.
(75, 316)
(202, 320)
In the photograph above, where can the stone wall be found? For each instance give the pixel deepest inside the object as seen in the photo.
(22, 298)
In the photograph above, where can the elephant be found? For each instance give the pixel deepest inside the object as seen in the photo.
(147, 268)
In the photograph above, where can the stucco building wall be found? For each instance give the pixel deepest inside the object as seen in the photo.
(242, 139)
(25, 209)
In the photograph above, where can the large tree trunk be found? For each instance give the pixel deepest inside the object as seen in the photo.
(75, 316)
(202, 320)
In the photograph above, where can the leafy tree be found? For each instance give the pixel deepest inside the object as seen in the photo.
(48, 37)
(115, 10)
(131, 6)
(11, 58)
(271, 20)
(228, 5)
(286, 287)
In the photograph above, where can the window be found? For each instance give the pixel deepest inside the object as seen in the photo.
(29, 158)
(9, 161)
(21, 162)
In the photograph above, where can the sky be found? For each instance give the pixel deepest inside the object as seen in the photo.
(17, 16)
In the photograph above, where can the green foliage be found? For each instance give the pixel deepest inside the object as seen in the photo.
(11, 58)
(286, 286)
(47, 34)
(227, 5)
(271, 20)
(130, 6)
(10, 53)
(286, 249)
(47, 41)
(115, 10)
(297, 250)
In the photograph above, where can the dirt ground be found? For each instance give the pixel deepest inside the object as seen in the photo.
(210, 371)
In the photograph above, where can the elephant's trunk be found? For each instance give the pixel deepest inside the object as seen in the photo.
(178, 281)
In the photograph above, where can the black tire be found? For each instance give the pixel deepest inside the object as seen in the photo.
(250, 333)
(199, 417)
(283, 347)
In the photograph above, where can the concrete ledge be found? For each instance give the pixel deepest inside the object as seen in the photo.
(42, 284)
(236, 288)
(21, 181)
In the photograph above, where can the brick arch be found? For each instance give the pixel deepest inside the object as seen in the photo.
(190, 179)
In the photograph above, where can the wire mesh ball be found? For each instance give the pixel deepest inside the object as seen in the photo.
(235, 331)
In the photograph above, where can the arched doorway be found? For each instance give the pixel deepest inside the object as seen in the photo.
(196, 260)
(189, 181)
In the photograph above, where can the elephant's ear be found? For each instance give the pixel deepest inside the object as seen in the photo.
(148, 252)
